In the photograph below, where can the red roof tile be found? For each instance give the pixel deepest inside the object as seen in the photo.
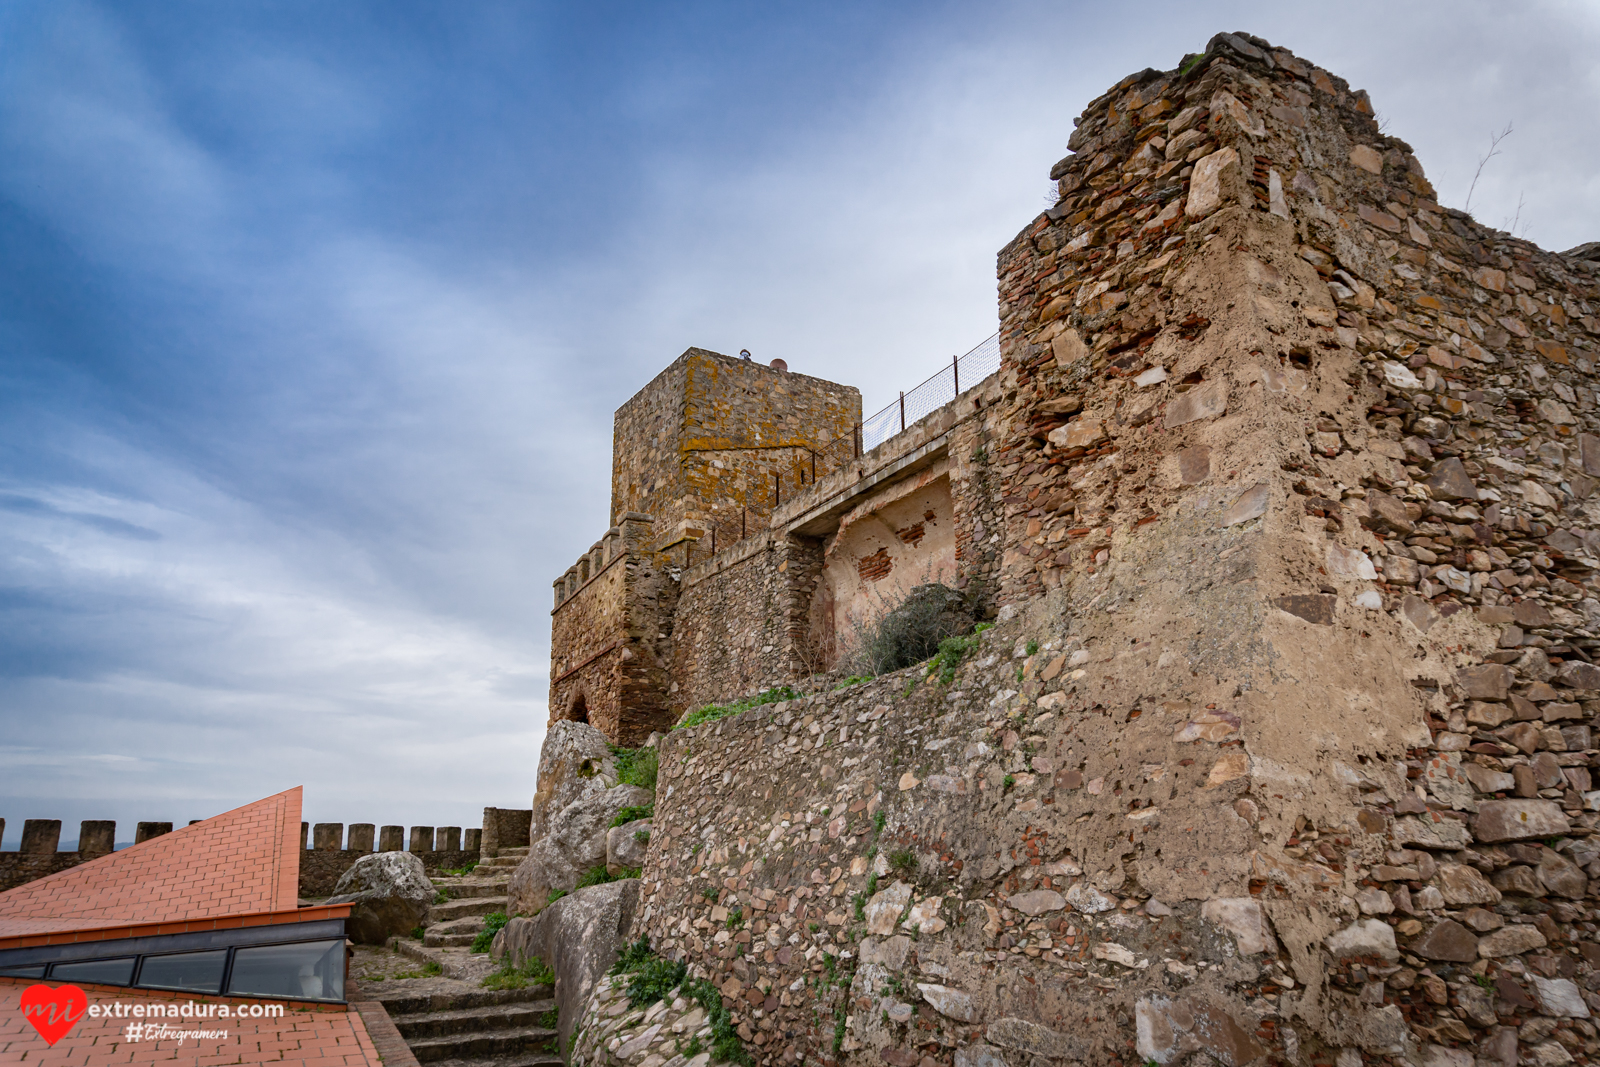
(240, 862)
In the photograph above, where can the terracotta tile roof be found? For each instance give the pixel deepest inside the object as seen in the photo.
(304, 1036)
(240, 862)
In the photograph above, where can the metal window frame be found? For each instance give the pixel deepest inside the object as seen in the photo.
(168, 944)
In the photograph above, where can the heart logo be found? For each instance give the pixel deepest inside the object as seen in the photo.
(53, 1012)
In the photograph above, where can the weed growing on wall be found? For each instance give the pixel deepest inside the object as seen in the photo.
(713, 712)
(653, 978)
(952, 650)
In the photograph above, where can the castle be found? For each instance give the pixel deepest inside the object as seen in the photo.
(753, 532)
(1284, 500)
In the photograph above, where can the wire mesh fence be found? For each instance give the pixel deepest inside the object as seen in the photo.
(934, 393)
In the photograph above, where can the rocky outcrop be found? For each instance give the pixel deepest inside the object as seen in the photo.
(574, 845)
(579, 937)
(391, 894)
(577, 799)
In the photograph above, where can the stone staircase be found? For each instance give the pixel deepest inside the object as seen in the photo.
(458, 920)
(457, 1024)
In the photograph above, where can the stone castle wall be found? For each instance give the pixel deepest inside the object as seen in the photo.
(610, 635)
(1282, 751)
(323, 859)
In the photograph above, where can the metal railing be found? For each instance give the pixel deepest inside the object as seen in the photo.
(809, 464)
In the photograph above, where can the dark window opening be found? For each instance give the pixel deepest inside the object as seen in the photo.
(580, 710)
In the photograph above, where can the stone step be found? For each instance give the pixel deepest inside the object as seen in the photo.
(519, 850)
(485, 1019)
(457, 962)
(466, 924)
(477, 887)
(400, 1002)
(501, 861)
(527, 1059)
(448, 940)
(522, 1039)
(458, 909)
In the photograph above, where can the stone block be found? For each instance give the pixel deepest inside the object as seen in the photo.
(421, 839)
(327, 836)
(392, 839)
(1205, 401)
(1510, 941)
(1448, 940)
(472, 840)
(1365, 937)
(40, 836)
(448, 839)
(1167, 1030)
(97, 836)
(147, 830)
(1519, 820)
(360, 838)
(1491, 681)
(1244, 918)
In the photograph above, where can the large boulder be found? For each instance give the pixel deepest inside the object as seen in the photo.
(575, 762)
(579, 937)
(391, 894)
(626, 846)
(574, 842)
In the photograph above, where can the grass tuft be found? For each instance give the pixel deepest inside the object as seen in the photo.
(713, 712)
(493, 923)
(634, 812)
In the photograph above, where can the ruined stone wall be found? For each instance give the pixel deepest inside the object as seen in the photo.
(898, 538)
(1283, 747)
(706, 437)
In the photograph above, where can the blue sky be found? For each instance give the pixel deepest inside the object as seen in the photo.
(313, 317)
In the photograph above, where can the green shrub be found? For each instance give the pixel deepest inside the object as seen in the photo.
(492, 924)
(432, 969)
(637, 766)
(854, 679)
(459, 872)
(633, 812)
(903, 861)
(555, 895)
(910, 632)
(653, 977)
